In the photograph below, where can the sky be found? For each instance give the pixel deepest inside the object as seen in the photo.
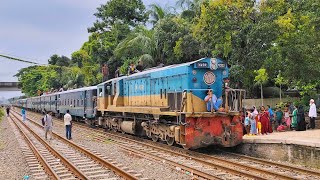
(35, 30)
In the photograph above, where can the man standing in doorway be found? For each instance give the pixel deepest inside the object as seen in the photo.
(67, 122)
(312, 114)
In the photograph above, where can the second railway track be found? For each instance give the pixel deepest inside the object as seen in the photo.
(66, 160)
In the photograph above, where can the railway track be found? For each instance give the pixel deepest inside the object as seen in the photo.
(62, 159)
(193, 162)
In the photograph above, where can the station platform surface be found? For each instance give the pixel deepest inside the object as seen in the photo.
(304, 138)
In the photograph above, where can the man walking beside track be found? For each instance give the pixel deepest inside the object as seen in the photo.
(67, 122)
(48, 124)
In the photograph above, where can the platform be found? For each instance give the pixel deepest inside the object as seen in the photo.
(309, 138)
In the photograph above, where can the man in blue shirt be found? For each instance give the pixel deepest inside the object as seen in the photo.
(212, 101)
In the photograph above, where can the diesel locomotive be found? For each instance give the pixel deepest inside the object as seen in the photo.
(165, 104)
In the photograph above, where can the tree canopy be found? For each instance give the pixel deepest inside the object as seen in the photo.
(273, 35)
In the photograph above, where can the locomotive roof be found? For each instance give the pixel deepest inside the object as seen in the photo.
(154, 69)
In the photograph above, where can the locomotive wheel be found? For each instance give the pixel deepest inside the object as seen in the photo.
(170, 141)
(154, 137)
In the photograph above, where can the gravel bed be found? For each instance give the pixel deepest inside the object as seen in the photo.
(148, 168)
(12, 161)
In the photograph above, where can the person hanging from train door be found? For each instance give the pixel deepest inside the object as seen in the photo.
(213, 103)
(67, 122)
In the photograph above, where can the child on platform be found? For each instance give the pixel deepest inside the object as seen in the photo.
(287, 117)
(247, 123)
(253, 125)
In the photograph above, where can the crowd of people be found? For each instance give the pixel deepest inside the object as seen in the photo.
(265, 120)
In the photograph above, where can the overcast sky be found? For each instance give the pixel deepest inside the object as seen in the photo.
(37, 29)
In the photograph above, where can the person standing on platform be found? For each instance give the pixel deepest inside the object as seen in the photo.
(253, 125)
(301, 119)
(67, 122)
(23, 114)
(48, 125)
(312, 114)
(279, 116)
(287, 117)
(294, 122)
(247, 123)
(264, 119)
(271, 114)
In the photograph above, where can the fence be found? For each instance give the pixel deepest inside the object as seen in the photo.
(247, 103)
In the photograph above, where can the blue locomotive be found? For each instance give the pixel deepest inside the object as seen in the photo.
(168, 104)
(165, 104)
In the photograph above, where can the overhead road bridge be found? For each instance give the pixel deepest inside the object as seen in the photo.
(9, 86)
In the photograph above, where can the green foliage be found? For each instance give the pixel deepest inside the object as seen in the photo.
(131, 12)
(59, 60)
(261, 76)
(280, 80)
(1, 113)
(35, 78)
(258, 39)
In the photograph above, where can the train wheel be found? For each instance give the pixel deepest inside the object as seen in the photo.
(154, 137)
(170, 141)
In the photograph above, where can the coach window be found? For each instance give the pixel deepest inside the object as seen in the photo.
(74, 103)
(78, 103)
(81, 102)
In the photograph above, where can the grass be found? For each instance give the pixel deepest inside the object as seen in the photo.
(1, 114)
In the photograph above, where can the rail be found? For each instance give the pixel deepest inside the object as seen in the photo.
(96, 158)
(71, 167)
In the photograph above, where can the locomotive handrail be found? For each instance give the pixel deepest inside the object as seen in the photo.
(233, 99)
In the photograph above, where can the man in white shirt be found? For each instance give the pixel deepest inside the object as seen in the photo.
(312, 114)
(67, 122)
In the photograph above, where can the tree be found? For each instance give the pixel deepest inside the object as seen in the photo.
(157, 13)
(35, 78)
(279, 80)
(132, 13)
(80, 57)
(261, 78)
(59, 61)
